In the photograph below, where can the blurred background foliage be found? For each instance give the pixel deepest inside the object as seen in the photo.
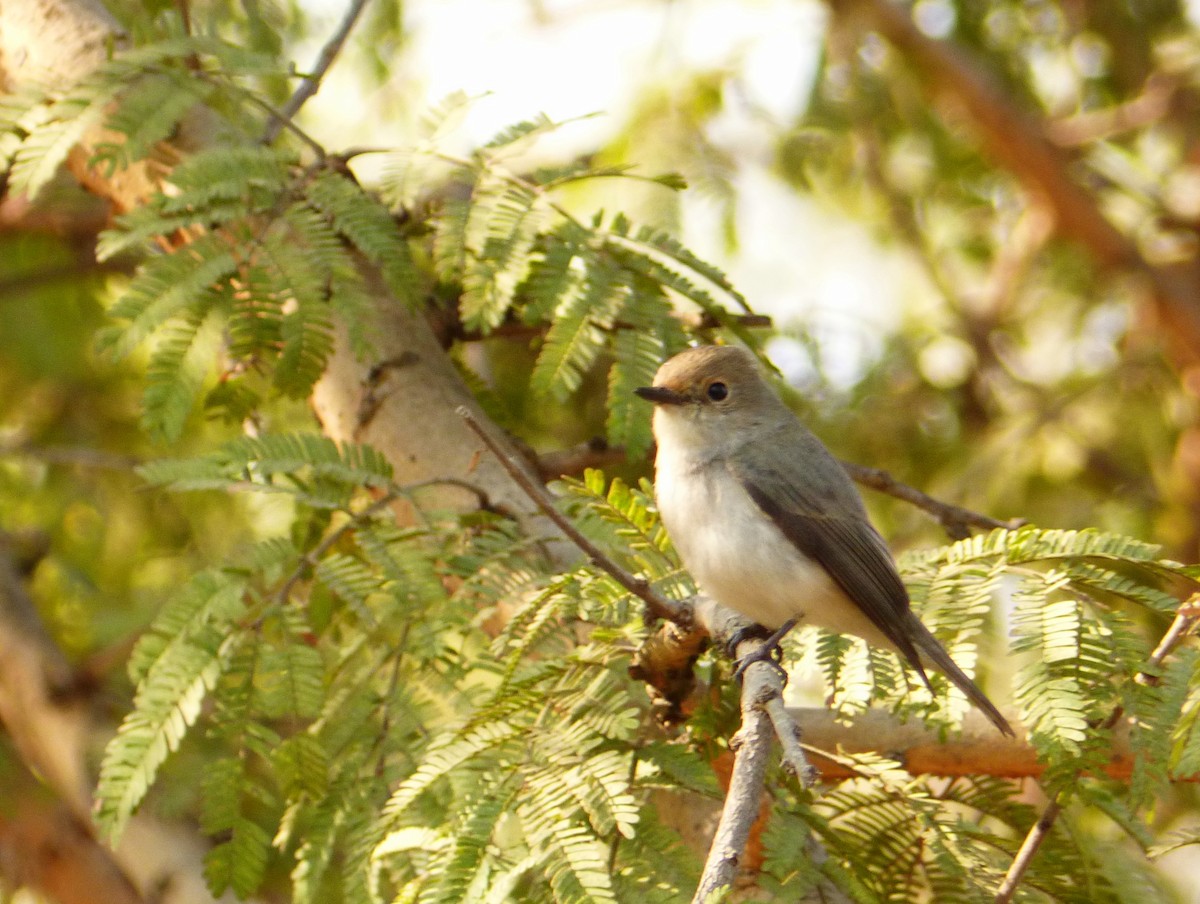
(937, 311)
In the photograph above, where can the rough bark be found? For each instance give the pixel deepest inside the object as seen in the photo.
(403, 400)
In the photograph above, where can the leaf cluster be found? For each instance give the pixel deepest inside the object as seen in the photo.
(379, 743)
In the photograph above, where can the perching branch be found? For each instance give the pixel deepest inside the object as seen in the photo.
(956, 521)
(752, 748)
(312, 82)
(743, 800)
(763, 718)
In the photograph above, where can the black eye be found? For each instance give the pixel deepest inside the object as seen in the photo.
(718, 391)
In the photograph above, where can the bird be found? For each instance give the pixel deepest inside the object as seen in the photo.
(767, 520)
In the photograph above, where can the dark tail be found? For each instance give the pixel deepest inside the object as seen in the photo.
(934, 654)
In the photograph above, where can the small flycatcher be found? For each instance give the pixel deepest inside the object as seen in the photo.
(767, 520)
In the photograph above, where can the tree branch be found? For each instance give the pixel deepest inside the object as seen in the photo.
(1149, 107)
(957, 522)
(657, 604)
(1017, 142)
(743, 800)
(311, 84)
(763, 717)
(1029, 848)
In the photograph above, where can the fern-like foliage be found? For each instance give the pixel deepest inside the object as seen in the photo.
(379, 735)
(605, 290)
(241, 236)
(273, 256)
(274, 253)
(378, 744)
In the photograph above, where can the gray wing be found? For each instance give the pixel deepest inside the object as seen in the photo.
(812, 500)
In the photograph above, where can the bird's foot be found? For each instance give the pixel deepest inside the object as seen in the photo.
(770, 652)
(762, 654)
(750, 632)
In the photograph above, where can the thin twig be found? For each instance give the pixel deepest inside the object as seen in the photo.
(312, 82)
(956, 521)
(277, 116)
(1029, 848)
(1185, 621)
(310, 559)
(788, 732)
(658, 605)
(1181, 627)
(1149, 107)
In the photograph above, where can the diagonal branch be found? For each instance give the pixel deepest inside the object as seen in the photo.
(956, 521)
(658, 605)
(311, 83)
(1018, 142)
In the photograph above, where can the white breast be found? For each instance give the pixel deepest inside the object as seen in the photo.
(736, 553)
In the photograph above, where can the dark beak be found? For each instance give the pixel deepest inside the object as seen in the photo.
(660, 395)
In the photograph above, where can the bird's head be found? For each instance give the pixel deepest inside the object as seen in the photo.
(709, 395)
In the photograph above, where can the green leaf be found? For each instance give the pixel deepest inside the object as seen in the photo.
(240, 863)
(166, 705)
(579, 332)
(638, 355)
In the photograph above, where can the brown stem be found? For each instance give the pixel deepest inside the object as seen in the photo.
(312, 83)
(658, 605)
(1029, 848)
(956, 521)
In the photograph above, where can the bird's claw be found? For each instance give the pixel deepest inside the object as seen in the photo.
(749, 632)
(770, 652)
(772, 655)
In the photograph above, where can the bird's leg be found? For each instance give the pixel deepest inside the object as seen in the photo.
(769, 652)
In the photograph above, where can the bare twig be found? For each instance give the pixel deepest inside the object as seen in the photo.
(763, 717)
(1185, 621)
(789, 734)
(1181, 627)
(658, 605)
(1152, 105)
(312, 82)
(956, 521)
(1029, 848)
